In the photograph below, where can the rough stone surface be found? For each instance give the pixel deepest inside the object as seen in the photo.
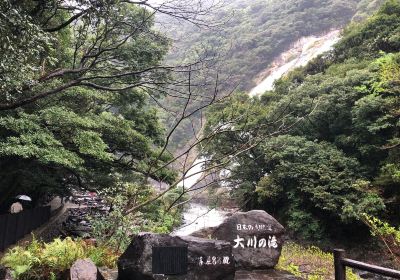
(84, 270)
(270, 274)
(204, 232)
(260, 236)
(109, 273)
(5, 273)
(49, 233)
(136, 262)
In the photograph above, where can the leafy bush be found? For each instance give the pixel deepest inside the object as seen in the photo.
(309, 263)
(312, 181)
(117, 227)
(48, 260)
(389, 235)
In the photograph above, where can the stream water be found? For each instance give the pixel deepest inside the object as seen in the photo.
(193, 174)
(197, 216)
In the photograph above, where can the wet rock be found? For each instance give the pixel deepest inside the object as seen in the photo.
(5, 273)
(204, 232)
(206, 259)
(84, 270)
(369, 275)
(2, 271)
(256, 239)
(109, 273)
(270, 274)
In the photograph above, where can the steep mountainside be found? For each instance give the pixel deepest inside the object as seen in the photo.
(255, 32)
(339, 156)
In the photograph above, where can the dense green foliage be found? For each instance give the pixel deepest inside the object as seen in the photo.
(255, 32)
(309, 263)
(52, 260)
(337, 153)
(117, 228)
(244, 37)
(366, 8)
(72, 112)
(75, 80)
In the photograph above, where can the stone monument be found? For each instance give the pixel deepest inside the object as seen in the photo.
(161, 256)
(256, 239)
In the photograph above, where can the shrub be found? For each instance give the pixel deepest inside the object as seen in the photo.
(41, 260)
(116, 228)
(388, 235)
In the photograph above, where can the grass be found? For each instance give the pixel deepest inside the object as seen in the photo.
(309, 262)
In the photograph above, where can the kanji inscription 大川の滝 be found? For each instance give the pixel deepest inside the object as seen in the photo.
(252, 242)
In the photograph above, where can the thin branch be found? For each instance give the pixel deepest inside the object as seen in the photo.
(66, 23)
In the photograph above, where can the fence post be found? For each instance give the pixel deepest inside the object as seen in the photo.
(340, 269)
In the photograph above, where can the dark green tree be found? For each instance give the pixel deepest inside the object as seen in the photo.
(76, 81)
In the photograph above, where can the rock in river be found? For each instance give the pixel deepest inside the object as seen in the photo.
(161, 256)
(256, 239)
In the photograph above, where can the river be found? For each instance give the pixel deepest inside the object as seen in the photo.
(197, 216)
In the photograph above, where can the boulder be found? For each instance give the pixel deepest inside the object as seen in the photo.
(109, 273)
(84, 270)
(256, 239)
(204, 232)
(176, 258)
(5, 273)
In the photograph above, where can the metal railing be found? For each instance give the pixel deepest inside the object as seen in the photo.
(14, 226)
(341, 262)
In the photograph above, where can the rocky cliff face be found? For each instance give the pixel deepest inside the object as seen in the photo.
(300, 53)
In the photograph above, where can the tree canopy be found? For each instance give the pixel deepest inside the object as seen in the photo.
(75, 84)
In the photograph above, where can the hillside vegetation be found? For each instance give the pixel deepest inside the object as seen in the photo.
(244, 37)
(339, 156)
(254, 32)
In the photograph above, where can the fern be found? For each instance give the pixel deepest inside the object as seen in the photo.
(41, 260)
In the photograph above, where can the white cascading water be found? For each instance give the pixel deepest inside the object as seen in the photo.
(299, 55)
(197, 216)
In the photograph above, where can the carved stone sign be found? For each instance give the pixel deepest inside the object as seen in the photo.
(256, 238)
(157, 256)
